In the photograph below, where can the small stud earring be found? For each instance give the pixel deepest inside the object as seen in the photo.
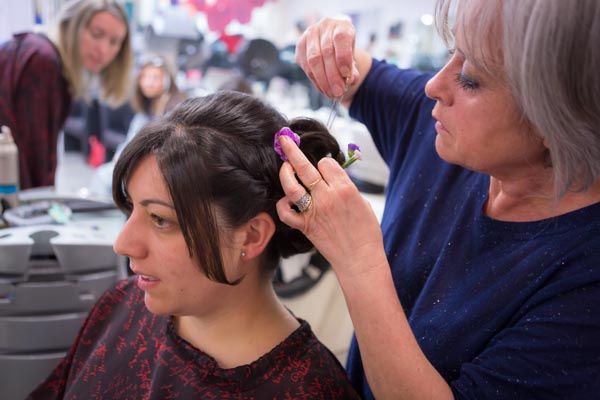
(243, 254)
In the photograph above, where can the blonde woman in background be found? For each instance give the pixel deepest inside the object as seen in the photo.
(41, 75)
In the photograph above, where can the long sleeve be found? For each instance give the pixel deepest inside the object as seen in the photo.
(35, 104)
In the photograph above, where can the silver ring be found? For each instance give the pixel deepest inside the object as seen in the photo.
(304, 202)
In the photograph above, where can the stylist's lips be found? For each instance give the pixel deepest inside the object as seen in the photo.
(440, 128)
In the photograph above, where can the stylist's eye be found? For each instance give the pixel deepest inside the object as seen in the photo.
(466, 82)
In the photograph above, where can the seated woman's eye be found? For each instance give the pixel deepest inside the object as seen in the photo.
(160, 222)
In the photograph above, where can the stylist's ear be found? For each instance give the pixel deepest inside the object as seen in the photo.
(258, 232)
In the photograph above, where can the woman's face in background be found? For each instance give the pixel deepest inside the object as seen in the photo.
(100, 41)
(151, 81)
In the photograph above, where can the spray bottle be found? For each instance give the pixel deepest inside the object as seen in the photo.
(9, 170)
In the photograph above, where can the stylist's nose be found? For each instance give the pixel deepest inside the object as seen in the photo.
(130, 241)
(438, 87)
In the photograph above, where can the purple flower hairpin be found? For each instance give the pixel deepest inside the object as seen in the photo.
(353, 155)
(353, 149)
(285, 131)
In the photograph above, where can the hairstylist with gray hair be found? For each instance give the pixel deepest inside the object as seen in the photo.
(484, 278)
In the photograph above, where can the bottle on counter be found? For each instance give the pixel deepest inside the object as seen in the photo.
(9, 170)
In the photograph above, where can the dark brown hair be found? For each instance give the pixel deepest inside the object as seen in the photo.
(216, 153)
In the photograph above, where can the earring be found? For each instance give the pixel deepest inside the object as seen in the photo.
(243, 254)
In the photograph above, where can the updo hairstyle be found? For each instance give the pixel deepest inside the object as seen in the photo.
(216, 156)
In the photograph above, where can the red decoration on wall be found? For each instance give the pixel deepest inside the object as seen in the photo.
(219, 13)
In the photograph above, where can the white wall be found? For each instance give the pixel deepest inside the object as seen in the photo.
(388, 11)
(15, 16)
(275, 20)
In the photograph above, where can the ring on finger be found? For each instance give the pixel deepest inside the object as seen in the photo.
(312, 185)
(303, 204)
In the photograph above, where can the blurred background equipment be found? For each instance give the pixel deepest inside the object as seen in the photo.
(258, 59)
(109, 125)
(50, 276)
(309, 270)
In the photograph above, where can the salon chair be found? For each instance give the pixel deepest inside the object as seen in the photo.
(50, 276)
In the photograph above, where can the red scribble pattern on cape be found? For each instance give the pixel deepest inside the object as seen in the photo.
(125, 352)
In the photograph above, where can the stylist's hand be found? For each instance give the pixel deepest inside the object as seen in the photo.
(340, 222)
(325, 52)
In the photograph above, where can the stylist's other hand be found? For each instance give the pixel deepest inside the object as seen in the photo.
(325, 52)
(339, 222)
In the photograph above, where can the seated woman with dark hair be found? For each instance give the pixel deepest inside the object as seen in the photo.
(200, 318)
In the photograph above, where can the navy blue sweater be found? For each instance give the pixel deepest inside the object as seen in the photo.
(501, 309)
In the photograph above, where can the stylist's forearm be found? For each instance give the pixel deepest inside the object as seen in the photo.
(395, 366)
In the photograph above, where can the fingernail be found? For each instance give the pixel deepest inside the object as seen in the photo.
(283, 139)
(337, 90)
(355, 74)
(345, 71)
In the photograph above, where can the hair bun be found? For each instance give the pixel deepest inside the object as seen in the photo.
(315, 140)
(290, 241)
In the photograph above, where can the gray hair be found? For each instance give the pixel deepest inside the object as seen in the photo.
(550, 60)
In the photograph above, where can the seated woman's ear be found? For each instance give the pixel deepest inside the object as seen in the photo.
(257, 232)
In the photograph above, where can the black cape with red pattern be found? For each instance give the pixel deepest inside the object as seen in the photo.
(125, 352)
